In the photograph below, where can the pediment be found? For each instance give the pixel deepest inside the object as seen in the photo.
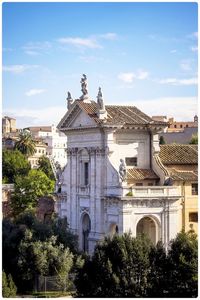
(75, 118)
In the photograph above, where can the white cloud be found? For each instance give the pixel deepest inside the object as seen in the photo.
(173, 51)
(109, 36)
(142, 74)
(80, 42)
(34, 92)
(36, 48)
(175, 81)
(181, 108)
(36, 117)
(130, 76)
(126, 77)
(185, 65)
(17, 69)
(194, 48)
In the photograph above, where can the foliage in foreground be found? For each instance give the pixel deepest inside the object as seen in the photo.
(45, 166)
(32, 248)
(133, 267)
(194, 139)
(9, 288)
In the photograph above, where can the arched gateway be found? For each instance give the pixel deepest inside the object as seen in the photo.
(148, 226)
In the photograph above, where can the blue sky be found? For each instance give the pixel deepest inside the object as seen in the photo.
(142, 54)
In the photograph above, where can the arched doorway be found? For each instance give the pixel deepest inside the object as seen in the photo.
(86, 226)
(113, 229)
(147, 226)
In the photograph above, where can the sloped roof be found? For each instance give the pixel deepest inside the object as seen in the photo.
(140, 174)
(176, 154)
(116, 115)
(181, 175)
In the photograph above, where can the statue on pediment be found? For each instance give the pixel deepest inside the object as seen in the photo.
(84, 85)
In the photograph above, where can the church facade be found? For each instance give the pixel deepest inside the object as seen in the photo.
(114, 180)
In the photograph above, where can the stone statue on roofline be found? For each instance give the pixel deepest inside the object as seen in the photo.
(100, 100)
(69, 100)
(122, 170)
(84, 89)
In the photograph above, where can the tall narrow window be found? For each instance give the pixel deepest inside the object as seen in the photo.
(194, 188)
(86, 173)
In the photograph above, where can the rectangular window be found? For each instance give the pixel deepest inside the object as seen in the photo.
(131, 161)
(193, 217)
(139, 184)
(150, 183)
(86, 173)
(194, 188)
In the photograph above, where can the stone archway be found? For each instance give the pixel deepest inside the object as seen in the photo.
(113, 229)
(147, 226)
(86, 226)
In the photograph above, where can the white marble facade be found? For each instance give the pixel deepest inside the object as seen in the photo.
(96, 201)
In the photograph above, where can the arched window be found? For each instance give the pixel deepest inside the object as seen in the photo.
(84, 167)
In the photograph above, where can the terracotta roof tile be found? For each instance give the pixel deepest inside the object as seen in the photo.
(140, 174)
(183, 175)
(118, 114)
(175, 154)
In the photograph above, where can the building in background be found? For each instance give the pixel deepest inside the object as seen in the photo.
(8, 125)
(181, 162)
(178, 132)
(56, 142)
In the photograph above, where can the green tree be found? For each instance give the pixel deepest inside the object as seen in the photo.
(9, 288)
(161, 140)
(45, 166)
(43, 258)
(194, 139)
(29, 188)
(13, 164)
(119, 268)
(183, 263)
(26, 143)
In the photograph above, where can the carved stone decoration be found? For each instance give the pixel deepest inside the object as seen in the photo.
(122, 170)
(84, 87)
(84, 209)
(69, 100)
(100, 100)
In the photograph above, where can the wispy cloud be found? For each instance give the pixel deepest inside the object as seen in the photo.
(34, 92)
(175, 81)
(130, 76)
(173, 51)
(18, 69)
(36, 48)
(80, 42)
(193, 35)
(185, 65)
(194, 48)
(109, 36)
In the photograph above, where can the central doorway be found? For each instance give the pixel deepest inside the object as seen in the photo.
(147, 226)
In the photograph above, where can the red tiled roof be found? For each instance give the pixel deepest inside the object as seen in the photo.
(181, 175)
(141, 174)
(175, 154)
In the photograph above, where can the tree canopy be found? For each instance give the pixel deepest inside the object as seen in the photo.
(32, 248)
(26, 143)
(45, 166)
(194, 139)
(13, 164)
(132, 267)
(29, 188)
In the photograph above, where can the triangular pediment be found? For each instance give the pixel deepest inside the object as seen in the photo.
(75, 118)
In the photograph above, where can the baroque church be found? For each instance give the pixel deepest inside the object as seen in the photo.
(114, 181)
